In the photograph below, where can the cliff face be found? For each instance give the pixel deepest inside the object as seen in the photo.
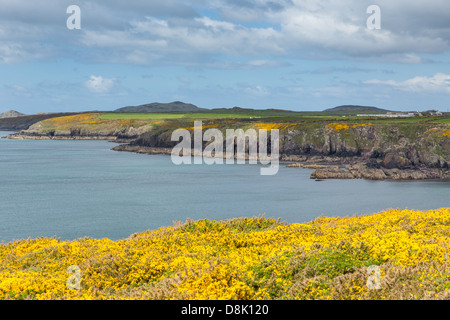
(401, 146)
(86, 126)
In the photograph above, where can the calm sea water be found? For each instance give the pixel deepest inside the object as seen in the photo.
(73, 189)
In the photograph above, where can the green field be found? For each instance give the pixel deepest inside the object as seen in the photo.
(169, 116)
(268, 115)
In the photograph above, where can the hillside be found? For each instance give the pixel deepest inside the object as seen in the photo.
(176, 106)
(24, 122)
(371, 150)
(356, 109)
(11, 114)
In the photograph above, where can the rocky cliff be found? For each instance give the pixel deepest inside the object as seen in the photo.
(370, 151)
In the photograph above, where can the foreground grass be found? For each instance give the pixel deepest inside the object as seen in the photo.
(246, 258)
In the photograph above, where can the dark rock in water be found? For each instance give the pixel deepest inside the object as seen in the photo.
(362, 171)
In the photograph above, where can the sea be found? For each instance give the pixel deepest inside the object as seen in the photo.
(76, 189)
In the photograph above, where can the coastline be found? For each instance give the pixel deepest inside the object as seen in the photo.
(328, 167)
(325, 167)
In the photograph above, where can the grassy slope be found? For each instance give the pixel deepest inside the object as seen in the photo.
(24, 122)
(97, 121)
(256, 258)
(169, 116)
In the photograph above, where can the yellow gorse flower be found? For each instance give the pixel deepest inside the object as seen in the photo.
(245, 258)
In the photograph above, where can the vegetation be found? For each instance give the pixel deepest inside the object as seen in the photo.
(169, 116)
(24, 122)
(162, 107)
(97, 121)
(245, 258)
(87, 123)
(267, 115)
(109, 119)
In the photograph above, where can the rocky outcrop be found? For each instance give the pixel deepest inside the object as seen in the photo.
(306, 166)
(60, 137)
(142, 150)
(362, 171)
(375, 152)
(121, 135)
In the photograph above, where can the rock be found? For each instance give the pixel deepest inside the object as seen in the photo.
(362, 171)
(396, 174)
(432, 160)
(331, 173)
(393, 159)
(306, 166)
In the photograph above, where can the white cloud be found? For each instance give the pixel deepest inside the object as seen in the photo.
(254, 90)
(440, 82)
(179, 32)
(100, 84)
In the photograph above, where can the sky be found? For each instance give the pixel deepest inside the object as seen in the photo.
(302, 55)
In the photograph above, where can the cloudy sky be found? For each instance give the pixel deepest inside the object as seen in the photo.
(291, 54)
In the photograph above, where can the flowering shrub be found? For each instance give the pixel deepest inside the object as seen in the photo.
(245, 258)
(276, 125)
(78, 119)
(446, 133)
(345, 126)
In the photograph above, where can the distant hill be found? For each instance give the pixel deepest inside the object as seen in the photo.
(235, 110)
(176, 106)
(10, 114)
(355, 108)
(239, 110)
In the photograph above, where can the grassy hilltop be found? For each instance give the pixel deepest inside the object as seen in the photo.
(245, 258)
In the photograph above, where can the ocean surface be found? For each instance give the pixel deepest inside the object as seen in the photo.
(75, 189)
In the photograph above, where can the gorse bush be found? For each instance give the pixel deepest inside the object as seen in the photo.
(245, 258)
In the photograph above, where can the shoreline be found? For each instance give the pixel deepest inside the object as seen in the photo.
(326, 167)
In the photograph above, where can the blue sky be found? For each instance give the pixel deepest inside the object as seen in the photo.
(298, 55)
